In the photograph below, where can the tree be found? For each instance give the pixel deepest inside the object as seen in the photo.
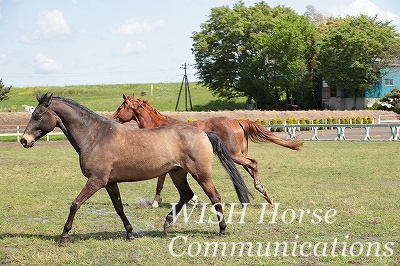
(257, 51)
(392, 100)
(316, 17)
(354, 51)
(4, 91)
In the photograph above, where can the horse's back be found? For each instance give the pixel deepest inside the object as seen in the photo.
(139, 154)
(182, 131)
(178, 138)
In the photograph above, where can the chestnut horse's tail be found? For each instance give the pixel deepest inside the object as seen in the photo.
(240, 186)
(257, 133)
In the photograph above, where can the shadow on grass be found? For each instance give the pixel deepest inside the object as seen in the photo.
(102, 236)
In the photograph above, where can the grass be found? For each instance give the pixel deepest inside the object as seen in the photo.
(359, 180)
(108, 97)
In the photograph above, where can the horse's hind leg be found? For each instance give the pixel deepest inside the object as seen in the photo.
(238, 147)
(185, 193)
(157, 198)
(209, 188)
(113, 192)
(250, 165)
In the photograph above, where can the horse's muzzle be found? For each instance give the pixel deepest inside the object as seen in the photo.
(27, 142)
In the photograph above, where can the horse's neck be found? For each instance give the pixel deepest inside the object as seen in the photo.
(148, 119)
(79, 125)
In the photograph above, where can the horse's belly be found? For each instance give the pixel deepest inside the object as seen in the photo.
(140, 171)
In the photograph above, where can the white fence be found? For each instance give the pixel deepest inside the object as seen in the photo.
(18, 130)
(290, 129)
(389, 119)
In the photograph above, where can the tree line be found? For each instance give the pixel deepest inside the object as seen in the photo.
(277, 58)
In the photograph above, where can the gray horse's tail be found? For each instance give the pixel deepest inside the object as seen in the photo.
(240, 186)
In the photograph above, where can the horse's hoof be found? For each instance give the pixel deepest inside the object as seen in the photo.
(267, 197)
(269, 200)
(154, 204)
(167, 226)
(130, 238)
(63, 240)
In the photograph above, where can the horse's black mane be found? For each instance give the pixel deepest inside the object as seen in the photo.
(72, 103)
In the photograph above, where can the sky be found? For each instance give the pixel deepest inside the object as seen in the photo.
(87, 42)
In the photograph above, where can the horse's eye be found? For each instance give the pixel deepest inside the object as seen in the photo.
(37, 116)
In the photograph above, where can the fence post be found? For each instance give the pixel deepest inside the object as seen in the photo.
(18, 133)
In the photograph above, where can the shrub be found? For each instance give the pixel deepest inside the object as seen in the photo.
(261, 121)
(277, 121)
(304, 121)
(291, 120)
(344, 120)
(367, 120)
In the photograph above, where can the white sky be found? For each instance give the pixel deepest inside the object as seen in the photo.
(76, 42)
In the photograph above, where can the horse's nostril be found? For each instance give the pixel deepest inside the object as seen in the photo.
(24, 143)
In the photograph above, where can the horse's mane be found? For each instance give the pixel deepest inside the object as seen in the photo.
(84, 109)
(146, 105)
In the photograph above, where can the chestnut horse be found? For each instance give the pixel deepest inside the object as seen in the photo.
(110, 152)
(234, 133)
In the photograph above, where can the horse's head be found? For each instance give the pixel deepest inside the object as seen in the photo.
(125, 112)
(42, 121)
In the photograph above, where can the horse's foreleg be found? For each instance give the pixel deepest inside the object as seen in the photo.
(113, 192)
(88, 190)
(160, 184)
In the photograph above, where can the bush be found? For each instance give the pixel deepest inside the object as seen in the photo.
(276, 121)
(367, 120)
(307, 121)
(261, 121)
(291, 120)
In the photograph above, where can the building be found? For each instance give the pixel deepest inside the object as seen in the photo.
(338, 99)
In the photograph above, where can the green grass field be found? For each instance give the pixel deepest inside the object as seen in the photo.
(108, 97)
(350, 188)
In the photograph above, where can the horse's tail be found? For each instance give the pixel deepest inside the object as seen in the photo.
(240, 186)
(257, 133)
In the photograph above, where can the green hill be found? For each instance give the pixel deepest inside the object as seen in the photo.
(162, 96)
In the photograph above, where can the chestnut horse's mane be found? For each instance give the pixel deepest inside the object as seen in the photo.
(167, 120)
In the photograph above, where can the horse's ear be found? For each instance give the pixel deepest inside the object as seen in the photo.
(48, 100)
(133, 95)
(123, 96)
(45, 98)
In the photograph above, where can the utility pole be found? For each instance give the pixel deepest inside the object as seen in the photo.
(187, 91)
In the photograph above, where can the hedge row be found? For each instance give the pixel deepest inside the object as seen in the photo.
(308, 121)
